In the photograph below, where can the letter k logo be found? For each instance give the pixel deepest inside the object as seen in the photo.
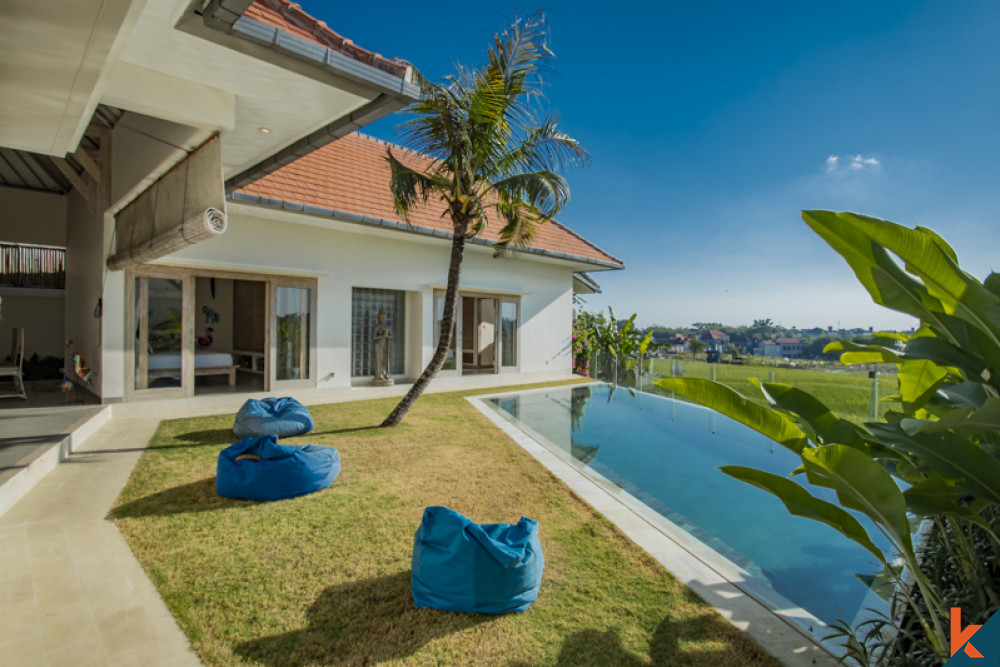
(960, 637)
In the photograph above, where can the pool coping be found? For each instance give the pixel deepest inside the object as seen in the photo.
(709, 575)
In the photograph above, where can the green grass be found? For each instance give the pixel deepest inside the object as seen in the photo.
(845, 393)
(324, 578)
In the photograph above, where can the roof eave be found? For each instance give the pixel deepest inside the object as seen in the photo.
(222, 22)
(226, 16)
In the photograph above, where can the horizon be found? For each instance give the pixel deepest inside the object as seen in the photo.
(710, 127)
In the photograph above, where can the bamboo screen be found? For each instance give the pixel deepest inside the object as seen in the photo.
(23, 265)
(183, 207)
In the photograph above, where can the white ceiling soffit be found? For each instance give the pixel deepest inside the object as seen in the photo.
(160, 59)
(55, 55)
(227, 81)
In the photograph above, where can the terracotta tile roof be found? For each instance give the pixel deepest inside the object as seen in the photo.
(351, 175)
(290, 17)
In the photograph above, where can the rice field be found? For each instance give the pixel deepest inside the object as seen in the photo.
(847, 393)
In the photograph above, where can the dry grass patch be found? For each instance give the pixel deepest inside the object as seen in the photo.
(325, 578)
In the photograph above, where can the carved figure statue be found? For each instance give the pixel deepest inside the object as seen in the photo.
(381, 336)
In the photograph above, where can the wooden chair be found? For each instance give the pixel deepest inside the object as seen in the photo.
(14, 372)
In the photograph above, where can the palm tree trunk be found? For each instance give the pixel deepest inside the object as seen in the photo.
(447, 332)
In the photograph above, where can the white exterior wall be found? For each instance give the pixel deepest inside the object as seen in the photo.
(346, 256)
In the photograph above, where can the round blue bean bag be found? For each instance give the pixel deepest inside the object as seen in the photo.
(282, 417)
(261, 469)
(459, 565)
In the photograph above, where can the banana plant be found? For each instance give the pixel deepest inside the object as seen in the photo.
(936, 457)
(624, 347)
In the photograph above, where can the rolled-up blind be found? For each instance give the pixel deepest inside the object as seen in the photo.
(183, 207)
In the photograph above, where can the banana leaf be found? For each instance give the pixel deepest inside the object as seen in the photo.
(864, 485)
(800, 502)
(734, 405)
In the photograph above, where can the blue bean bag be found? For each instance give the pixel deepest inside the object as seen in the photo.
(459, 565)
(261, 469)
(282, 417)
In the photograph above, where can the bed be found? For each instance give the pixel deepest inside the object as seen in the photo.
(168, 364)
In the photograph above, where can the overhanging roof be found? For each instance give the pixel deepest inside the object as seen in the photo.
(163, 59)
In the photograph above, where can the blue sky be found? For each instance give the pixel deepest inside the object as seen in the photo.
(712, 125)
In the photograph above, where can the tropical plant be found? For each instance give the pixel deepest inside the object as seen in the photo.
(622, 348)
(494, 157)
(936, 457)
(584, 326)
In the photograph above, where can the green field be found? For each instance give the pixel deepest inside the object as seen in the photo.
(847, 394)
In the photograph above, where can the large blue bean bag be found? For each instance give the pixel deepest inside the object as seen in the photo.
(261, 469)
(282, 417)
(459, 565)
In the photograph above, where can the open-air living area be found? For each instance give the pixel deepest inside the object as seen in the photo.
(308, 358)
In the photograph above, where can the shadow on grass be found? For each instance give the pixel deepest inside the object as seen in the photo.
(335, 431)
(359, 623)
(214, 436)
(197, 496)
(604, 647)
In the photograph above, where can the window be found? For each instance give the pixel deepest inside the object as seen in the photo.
(366, 303)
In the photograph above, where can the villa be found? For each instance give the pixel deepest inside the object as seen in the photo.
(249, 109)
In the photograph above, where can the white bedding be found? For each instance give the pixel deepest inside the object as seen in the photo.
(161, 361)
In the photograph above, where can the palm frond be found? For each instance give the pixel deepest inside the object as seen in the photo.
(544, 190)
(522, 224)
(545, 147)
(409, 186)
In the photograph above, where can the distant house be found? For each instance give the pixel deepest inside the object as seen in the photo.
(767, 348)
(714, 340)
(789, 347)
(744, 344)
(674, 343)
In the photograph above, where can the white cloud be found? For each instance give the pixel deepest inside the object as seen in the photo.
(852, 164)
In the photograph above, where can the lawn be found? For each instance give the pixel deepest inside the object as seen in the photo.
(846, 394)
(325, 578)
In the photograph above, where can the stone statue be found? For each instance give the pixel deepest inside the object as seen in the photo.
(382, 336)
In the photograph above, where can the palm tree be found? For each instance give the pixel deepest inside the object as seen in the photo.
(493, 157)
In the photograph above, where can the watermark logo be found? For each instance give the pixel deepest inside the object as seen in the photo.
(974, 644)
(960, 639)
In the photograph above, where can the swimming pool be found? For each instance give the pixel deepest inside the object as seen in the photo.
(665, 454)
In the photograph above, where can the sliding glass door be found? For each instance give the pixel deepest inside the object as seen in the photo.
(486, 334)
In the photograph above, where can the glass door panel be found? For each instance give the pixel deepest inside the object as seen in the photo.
(486, 330)
(508, 334)
(293, 313)
(159, 361)
(449, 361)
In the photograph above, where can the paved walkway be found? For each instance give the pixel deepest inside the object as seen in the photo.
(71, 592)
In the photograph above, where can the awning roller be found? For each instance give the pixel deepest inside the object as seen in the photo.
(185, 206)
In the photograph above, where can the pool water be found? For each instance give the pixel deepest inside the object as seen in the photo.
(666, 453)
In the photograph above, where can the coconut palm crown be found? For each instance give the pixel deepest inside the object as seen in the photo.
(494, 159)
